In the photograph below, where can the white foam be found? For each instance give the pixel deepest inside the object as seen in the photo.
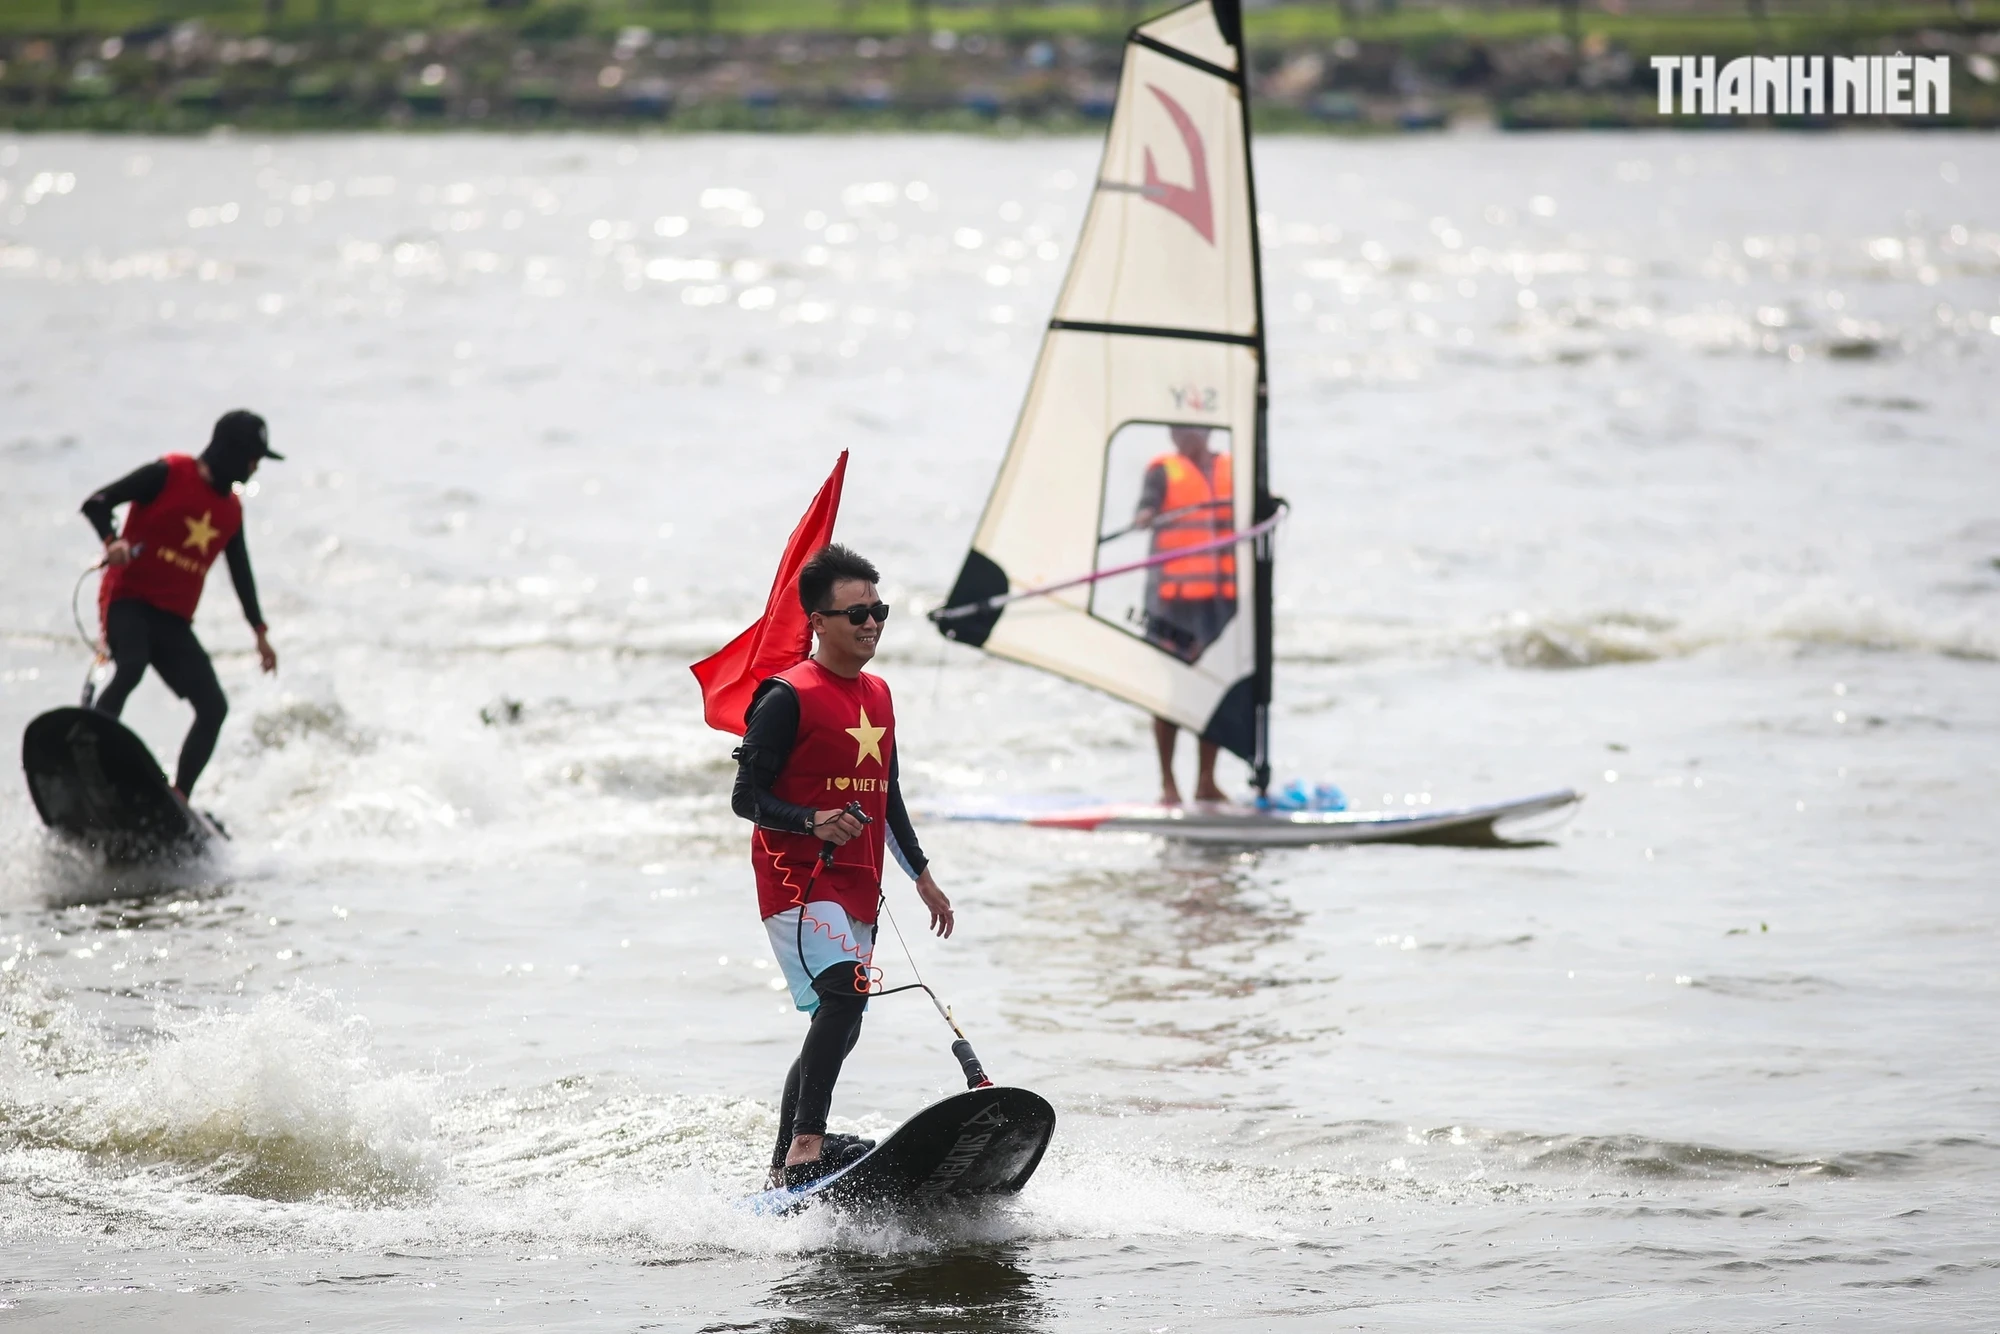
(276, 1123)
(281, 1101)
(1820, 617)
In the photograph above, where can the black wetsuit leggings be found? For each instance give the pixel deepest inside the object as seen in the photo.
(140, 636)
(836, 1027)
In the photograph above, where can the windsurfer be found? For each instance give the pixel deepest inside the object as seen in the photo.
(1186, 500)
(184, 512)
(821, 742)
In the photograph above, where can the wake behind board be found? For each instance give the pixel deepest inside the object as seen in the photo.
(95, 781)
(1216, 822)
(971, 1146)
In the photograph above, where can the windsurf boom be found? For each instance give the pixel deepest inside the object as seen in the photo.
(1158, 335)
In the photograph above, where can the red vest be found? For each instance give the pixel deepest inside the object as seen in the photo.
(847, 736)
(181, 531)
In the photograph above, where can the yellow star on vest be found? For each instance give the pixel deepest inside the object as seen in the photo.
(868, 738)
(201, 532)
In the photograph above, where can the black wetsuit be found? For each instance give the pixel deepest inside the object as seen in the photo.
(836, 1024)
(141, 635)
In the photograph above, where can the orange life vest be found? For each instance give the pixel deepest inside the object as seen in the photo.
(1199, 510)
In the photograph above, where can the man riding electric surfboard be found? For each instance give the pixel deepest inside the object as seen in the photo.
(817, 773)
(184, 512)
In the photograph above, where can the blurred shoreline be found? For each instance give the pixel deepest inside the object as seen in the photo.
(565, 67)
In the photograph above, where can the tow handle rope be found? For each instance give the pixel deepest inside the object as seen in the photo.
(99, 651)
(76, 615)
(961, 1049)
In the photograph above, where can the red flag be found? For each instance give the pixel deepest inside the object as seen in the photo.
(781, 638)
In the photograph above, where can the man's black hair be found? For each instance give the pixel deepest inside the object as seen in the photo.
(830, 565)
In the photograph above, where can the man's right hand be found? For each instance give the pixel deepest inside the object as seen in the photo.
(117, 552)
(835, 827)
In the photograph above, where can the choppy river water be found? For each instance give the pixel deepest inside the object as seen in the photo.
(1660, 466)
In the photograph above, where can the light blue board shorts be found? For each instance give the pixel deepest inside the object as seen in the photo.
(828, 937)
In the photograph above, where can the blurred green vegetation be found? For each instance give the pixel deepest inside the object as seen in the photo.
(1344, 66)
(1651, 24)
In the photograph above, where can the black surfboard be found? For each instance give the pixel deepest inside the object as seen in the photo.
(971, 1146)
(93, 780)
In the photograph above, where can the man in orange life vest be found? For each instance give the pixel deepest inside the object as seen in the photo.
(1187, 500)
(184, 513)
(822, 736)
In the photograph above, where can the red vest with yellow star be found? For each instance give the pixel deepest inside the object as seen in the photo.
(180, 532)
(847, 736)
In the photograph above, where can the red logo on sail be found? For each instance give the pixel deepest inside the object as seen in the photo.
(1192, 203)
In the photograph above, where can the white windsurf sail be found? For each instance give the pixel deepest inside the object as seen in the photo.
(1126, 544)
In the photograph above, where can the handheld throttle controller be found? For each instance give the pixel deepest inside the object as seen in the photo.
(975, 1073)
(852, 808)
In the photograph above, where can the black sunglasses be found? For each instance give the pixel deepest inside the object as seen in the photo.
(860, 612)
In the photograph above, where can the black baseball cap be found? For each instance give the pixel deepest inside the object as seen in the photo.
(247, 431)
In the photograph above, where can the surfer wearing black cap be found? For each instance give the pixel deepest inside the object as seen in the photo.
(184, 512)
(817, 773)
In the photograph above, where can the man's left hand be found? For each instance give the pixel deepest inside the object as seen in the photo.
(267, 657)
(934, 899)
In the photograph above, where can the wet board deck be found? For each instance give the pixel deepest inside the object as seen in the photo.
(96, 782)
(1215, 822)
(971, 1146)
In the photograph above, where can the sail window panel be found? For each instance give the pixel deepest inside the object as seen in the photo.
(1168, 487)
(1168, 247)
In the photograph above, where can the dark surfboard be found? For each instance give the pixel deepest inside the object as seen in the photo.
(971, 1146)
(93, 780)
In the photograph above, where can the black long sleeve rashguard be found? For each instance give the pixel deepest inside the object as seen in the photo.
(767, 744)
(142, 486)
